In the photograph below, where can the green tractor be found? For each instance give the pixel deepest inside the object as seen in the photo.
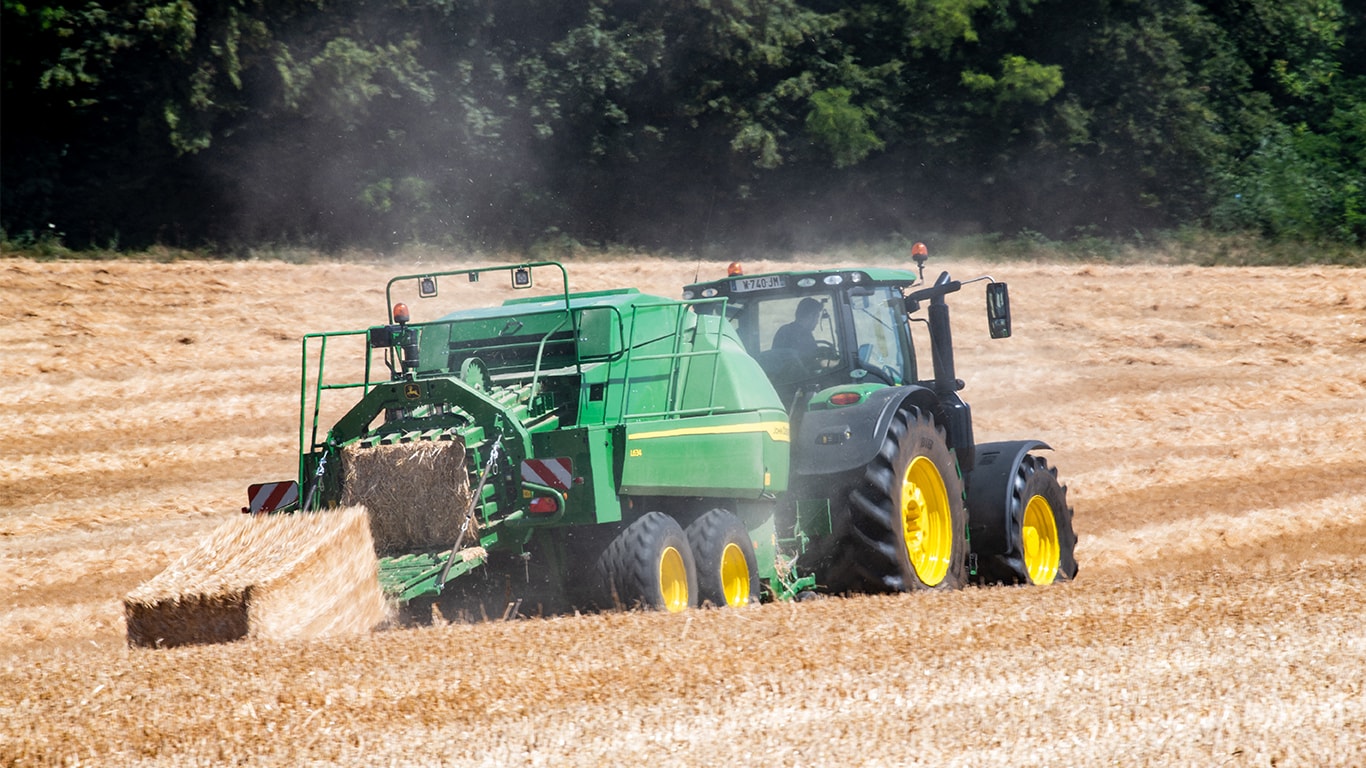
(888, 491)
(766, 437)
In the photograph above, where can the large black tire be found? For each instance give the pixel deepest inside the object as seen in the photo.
(650, 565)
(727, 568)
(907, 522)
(1039, 543)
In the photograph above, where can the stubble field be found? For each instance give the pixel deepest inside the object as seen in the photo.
(1210, 424)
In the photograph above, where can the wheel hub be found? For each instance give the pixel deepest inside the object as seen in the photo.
(673, 580)
(1042, 550)
(926, 521)
(735, 576)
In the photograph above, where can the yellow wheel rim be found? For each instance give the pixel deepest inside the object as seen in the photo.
(1042, 552)
(673, 580)
(734, 575)
(926, 522)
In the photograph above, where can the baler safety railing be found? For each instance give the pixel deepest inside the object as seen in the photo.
(673, 394)
(308, 441)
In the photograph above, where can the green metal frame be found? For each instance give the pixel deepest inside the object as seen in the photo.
(408, 576)
(673, 393)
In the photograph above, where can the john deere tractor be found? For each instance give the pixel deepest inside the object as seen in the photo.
(888, 490)
(766, 437)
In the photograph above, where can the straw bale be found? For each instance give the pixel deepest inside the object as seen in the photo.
(274, 576)
(418, 493)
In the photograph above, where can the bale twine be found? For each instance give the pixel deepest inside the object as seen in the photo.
(274, 577)
(418, 493)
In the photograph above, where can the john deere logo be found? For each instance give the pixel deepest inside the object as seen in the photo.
(412, 391)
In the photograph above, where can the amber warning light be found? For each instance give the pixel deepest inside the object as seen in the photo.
(920, 254)
(401, 313)
(734, 269)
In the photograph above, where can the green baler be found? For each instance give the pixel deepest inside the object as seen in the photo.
(581, 414)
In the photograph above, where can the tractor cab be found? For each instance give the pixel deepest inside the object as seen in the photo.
(810, 331)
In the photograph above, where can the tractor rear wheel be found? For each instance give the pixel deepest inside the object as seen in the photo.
(650, 564)
(727, 568)
(908, 511)
(1039, 541)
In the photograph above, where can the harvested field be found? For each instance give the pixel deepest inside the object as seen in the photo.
(1209, 423)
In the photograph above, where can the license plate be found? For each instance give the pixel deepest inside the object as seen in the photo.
(743, 284)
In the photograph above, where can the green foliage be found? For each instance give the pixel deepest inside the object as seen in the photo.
(841, 127)
(1021, 81)
(778, 123)
(939, 25)
(1300, 185)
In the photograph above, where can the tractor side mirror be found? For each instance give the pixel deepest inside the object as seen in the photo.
(426, 287)
(998, 310)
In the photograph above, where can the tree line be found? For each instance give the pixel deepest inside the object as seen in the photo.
(781, 123)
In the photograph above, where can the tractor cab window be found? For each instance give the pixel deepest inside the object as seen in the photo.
(793, 337)
(878, 331)
(802, 327)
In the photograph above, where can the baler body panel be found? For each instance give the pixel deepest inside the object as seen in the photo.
(732, 455)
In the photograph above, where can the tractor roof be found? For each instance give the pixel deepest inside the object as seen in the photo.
(800, 281)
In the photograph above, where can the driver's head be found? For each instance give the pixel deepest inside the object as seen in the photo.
(808, 312)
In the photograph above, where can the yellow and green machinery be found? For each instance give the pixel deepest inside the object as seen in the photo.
(625, 449)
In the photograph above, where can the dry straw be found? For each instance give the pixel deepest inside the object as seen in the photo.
(274, 577)
(418, 494)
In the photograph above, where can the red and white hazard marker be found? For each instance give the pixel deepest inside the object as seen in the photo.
(556, 473)
(268, 497)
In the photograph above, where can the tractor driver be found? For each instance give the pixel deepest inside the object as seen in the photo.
(798, 334)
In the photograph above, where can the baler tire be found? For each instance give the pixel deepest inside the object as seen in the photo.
(727, 568)
(1040, 541)
(907, 518)
(650, 565)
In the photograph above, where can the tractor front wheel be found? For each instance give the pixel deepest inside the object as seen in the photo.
(727, 568)
(1039, 546)
(650, 564)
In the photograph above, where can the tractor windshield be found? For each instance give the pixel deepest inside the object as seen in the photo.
(878, 331)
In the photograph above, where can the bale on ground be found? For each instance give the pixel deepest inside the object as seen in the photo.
(274, 577)
(418, 493)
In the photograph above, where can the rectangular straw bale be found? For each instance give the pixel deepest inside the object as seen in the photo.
(418, 493)
(273, 576)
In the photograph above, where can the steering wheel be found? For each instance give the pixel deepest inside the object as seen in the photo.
(872, 362)
(827, 356)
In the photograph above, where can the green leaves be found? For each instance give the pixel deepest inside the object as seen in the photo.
(841, 127)
(939, 25)
(1021, 81)
(600, 120)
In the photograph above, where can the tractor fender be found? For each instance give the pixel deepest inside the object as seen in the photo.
(990, 486)
(838, 440)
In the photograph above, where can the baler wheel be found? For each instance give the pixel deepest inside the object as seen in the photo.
(908, 512)
(1040, 543)
(727, 568)
(651, 564)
